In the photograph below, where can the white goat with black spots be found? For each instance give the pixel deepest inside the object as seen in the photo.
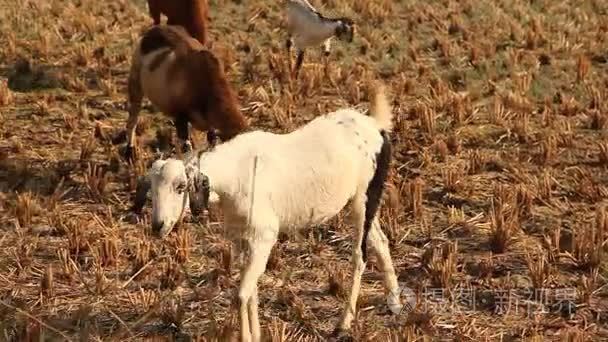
(302, 178)
(306, 27)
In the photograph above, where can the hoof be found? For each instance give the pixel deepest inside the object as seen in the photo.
(136, 209)
(341, 335)
(129, 153)
(132, 217)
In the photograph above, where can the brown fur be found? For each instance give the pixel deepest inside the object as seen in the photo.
(174, 36)
(158, 60)
(191, 14)
(207, 101)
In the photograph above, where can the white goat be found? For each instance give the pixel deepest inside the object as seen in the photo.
(302, 178)
(310, 28)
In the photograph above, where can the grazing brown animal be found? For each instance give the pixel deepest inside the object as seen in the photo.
(184, 81)
(193, 15)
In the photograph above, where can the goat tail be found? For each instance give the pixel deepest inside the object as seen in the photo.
(380, 107)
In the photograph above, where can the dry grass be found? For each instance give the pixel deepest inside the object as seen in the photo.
(500, 157)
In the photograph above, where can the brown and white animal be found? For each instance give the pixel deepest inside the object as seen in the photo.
(186, 82)
(193, 15)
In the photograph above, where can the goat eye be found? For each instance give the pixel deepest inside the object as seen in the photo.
(180, 188)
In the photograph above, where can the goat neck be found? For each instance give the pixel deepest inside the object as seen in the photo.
(213, 165)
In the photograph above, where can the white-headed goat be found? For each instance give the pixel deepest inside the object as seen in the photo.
(306, 27)
(300, 179)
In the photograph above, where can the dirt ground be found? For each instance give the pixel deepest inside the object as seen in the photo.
(495, 207)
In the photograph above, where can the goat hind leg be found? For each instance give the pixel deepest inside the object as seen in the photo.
(254, 320)
(358, 268)
(379, 243)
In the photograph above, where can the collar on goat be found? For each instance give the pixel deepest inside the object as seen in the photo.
(198, 186)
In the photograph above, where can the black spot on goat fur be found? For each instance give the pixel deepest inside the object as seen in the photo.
(375, 188)
(153, 40)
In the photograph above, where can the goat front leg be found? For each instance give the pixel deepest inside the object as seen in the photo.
(288, 45)
(183, 133)
(135, 96)
(299, 60)
(259, 251)
(326, 53)
(327, 47)
(379, 243)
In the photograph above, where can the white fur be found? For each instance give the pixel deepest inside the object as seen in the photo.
(302, 178)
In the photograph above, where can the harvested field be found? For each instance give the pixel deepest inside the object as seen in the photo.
(496, 209)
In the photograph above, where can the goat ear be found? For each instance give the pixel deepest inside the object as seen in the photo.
(141, 194)
(143, 186)
(198, 193)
